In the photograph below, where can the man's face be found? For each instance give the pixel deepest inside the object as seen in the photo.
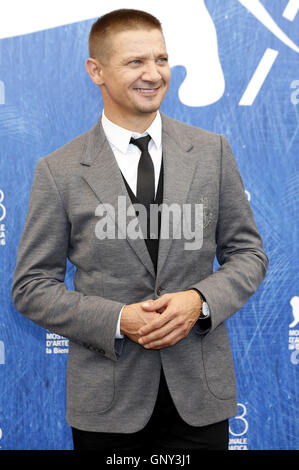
(136, 77)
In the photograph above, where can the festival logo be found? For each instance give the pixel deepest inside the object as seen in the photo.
(294, 332)
(2, 216)
(238, 427)
(56, 344)
(270, 55)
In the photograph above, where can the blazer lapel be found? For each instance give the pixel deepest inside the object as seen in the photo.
(102, 174)
(179, 169)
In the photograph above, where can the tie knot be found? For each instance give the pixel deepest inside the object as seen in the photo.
(142, 142)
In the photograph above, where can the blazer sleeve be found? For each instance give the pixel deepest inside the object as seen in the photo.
(239, 248)
(39, 291)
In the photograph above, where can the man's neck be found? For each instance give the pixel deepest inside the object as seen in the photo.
(137, 124)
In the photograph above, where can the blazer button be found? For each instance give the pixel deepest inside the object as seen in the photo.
(159, 290)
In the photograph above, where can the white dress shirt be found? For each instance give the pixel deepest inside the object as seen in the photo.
(127, 156)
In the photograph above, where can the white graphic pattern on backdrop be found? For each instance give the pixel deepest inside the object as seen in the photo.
(295, 310)
(204, 83)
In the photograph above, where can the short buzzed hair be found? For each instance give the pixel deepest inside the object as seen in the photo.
(114, 22)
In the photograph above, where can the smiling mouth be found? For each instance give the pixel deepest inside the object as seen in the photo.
(147, 91)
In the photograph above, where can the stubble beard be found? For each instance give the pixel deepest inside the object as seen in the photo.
(147, 108)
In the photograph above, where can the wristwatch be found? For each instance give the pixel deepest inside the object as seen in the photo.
(204, 311)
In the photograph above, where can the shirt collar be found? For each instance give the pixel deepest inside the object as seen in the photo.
(120, 137)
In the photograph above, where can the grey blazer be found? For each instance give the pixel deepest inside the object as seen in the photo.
(112, 383)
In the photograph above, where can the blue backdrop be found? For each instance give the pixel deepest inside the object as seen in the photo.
(47, 99)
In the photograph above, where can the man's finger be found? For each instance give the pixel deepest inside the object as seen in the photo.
(158, 333)
(155, 324)
(169, 340)
(155, 304)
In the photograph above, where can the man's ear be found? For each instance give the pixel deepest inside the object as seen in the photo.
(94, 70)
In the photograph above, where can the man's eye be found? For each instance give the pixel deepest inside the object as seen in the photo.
(135, 62)
(162, 59)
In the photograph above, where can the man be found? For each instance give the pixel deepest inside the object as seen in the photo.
(149, 359)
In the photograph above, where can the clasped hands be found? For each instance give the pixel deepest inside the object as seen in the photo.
(159, 323)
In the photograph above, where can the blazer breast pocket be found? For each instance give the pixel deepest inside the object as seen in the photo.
(206, 210)
(201, 215)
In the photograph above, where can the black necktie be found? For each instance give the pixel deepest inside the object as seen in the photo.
(146, 173)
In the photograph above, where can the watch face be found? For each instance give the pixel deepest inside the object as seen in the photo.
(205, 309)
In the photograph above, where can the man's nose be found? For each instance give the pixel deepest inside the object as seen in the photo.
(151, 72)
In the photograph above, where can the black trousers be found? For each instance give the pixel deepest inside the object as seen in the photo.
(164, 431)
